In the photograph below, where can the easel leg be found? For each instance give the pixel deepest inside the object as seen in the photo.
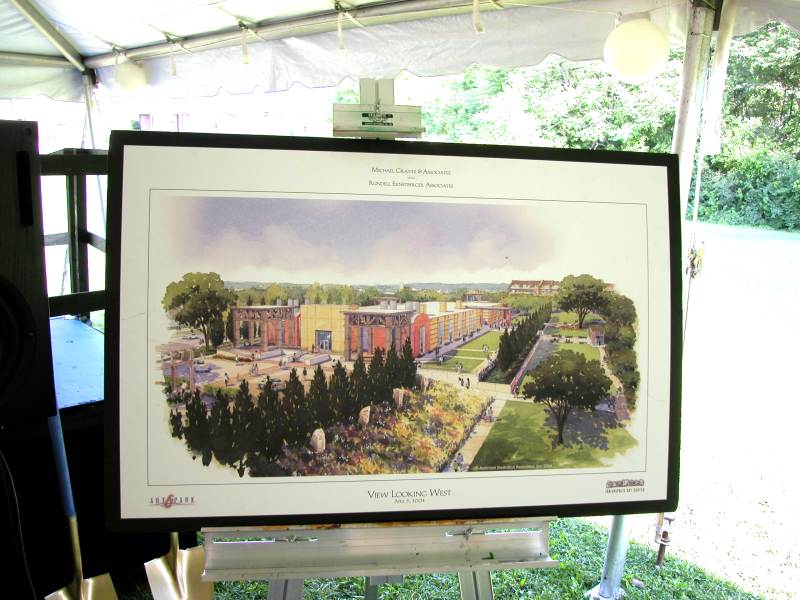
(374, 582)
(476, 585)
(285, 589)
(614, 563)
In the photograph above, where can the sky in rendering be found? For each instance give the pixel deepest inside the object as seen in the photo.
(301, 240)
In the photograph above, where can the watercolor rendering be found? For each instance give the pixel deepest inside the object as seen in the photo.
(305, 337)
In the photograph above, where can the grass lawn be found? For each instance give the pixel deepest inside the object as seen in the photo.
(491, 339)
(471, 354)
(521, 438)
(470, 364)
(590, 352)
(572, 317)
(578, 545)
(569, 332)
(496, 376)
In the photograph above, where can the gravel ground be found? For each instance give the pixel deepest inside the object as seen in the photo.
(740, 479)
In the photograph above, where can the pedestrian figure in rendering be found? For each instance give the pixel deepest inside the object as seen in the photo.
(467, 382)
(227, 380)
(459, 462)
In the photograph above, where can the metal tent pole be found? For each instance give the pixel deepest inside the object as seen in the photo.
(695, 68)
(614, 563)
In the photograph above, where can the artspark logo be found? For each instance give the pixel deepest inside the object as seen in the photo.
(171, 500)
(624, 486)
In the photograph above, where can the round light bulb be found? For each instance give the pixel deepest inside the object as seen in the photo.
(130, 76)
(636, 50)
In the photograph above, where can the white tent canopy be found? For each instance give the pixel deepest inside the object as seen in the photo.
(196, 47)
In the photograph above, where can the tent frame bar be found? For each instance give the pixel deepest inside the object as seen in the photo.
(34, 60)
(48, 30)
(319, 23)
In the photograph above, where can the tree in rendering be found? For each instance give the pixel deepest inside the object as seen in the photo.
(196, 300)
(379, 390)
(619, 309)
(566, 382)
(245, 422)
(582, 294)
(221, 422)
(197, 429)
(391, 369)
(408, 366)
(298, 422)
(360, 389)
(216, 332)
(339, 392)
(318, 399)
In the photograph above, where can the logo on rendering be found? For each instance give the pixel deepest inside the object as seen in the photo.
(623, 486)
(171, 500)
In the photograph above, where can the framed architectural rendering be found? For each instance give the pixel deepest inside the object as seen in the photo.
(325, 331)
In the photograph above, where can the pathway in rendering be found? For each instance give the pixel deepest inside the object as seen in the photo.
(620, 402)
(479, 434)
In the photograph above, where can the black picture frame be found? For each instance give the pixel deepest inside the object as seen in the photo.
(120, 140)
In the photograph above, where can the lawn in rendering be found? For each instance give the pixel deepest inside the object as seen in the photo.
(523, 437)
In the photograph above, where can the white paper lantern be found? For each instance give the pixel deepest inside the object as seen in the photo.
(637, 49)
(130, 76)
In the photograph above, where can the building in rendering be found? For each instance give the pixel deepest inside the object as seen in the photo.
(349, 330)
(322, 327)
(534, 287)
(276, 326)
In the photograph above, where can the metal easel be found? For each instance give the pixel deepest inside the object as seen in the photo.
(382, 552)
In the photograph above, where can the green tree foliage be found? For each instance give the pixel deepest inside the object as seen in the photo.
(392, 370)
(516, 343)
(316, 294)
(245, 422)
(298, 420)
(275, 292)
(222, 433)
(268, 434)
(216, 332)
(318, 399)
(619, 309)
(196, 300)
(248, 434)
(379, 385)
(368, 295)
(763, 87)
(229, 325)
(620, 338)
(565, 382)
(580, 105)
(340, 395)
(581, 294)
(505, 354)
(197, 428)
(408, 366)
(360, 388)
(759, 188)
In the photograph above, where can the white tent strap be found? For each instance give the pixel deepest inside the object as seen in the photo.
(342, 13)
(476, 17)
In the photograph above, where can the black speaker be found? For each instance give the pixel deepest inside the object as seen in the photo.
(27, 391)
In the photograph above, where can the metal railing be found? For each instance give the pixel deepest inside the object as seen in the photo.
(76, 165)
